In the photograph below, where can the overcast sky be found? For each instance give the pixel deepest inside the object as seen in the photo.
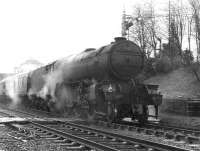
(50, 29)
(47, 30)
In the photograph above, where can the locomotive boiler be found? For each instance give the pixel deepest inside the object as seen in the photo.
(100, 83)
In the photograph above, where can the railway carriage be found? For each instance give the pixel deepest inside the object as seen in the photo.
(99, 82)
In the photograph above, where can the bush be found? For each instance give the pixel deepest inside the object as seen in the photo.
(163, 65)
(177, 62)
(188, 57)
(195, 68)
(148, 68)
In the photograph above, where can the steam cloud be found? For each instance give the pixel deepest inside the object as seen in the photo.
(62, 96)
(11, 91)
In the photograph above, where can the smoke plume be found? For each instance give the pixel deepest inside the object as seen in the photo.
(62, 96)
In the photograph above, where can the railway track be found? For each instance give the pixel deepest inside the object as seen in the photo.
(24, 113)
(157, 127)
(189, 132)
(78, 137)
(72, 136)
(3, 113)
(189, 137)
(6, 112)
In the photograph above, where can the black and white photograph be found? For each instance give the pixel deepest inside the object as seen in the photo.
(100, 75)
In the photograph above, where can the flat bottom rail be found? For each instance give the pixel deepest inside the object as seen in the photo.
(142, 142)
(158, 146)
(175, 128)
(76, 138)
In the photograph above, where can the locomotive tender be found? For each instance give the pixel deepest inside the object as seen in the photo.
(99, 82)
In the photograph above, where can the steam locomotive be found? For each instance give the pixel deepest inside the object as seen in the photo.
(100, 83)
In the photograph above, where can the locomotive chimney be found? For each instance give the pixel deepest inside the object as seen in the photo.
(118, 39)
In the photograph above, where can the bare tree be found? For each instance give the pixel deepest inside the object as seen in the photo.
(195, 4)
(144, 30)
(177, 26)
(137, 31)
(152, 30)
(189, 19)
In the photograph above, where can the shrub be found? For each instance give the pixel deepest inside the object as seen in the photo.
(177, 62)
(195, 68)
(188, 57)
(148, 68)
(163, 65)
